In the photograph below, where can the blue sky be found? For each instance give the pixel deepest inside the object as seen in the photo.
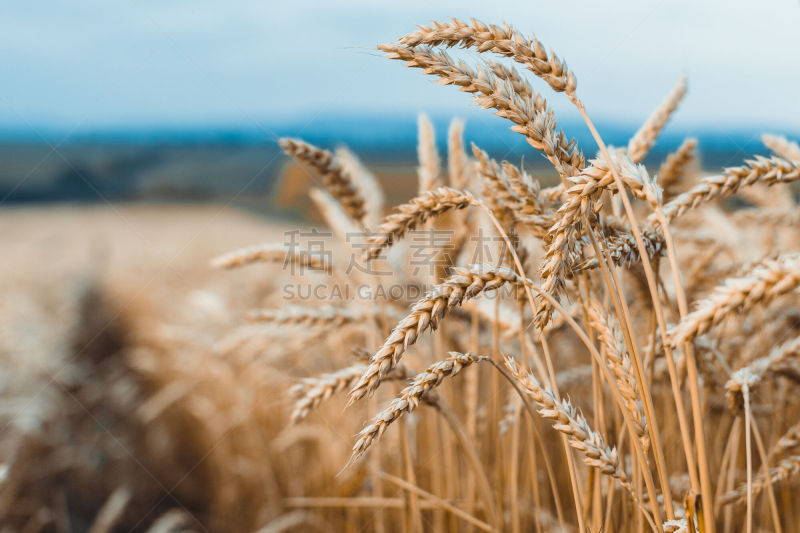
(196, 63)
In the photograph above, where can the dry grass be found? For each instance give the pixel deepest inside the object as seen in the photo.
(670, 374)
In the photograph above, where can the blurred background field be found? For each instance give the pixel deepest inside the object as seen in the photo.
(245, 168)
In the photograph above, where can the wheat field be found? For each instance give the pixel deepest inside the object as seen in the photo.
(607, 348)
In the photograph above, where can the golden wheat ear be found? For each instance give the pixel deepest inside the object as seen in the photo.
(416, 212)
(767, 171)
(430, 164)
(781, 146)
(764, 282)
(466, 283)
(500, 88)
(270, 253)
(673, 169)
(420, 385)
(644, 139)
(339, 184)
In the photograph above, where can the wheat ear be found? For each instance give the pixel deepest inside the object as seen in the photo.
(270, 253)
(783, 471)
(312, 392)
(511, 196)
(430, 165)
(788, 442)
(674, 166)
(644, 139)
(459, 168)
(765, 281)
(334, 214)
(408, 216)
(410, 397)
(768, 171)
(496, 194)
(621, 244)
(339, 184)
(365, 182)
(567, 420)
(528, 190)
(753, 373)
(563, 250)
(310, 317)
(771, 215)
(620, 365)
(678, 525)
(781, 146)
(503, 40)
(526, 109)
(466, 283)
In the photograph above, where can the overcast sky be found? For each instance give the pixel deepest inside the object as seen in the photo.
(100, 64)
